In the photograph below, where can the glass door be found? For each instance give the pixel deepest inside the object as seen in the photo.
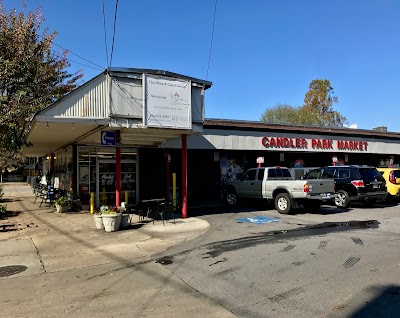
(107, 177)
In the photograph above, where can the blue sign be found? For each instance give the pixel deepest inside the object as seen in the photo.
(258, 220)
(108, 138)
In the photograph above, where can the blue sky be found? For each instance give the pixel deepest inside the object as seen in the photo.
(265, 52)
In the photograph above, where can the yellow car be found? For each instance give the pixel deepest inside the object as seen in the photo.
(392, 177)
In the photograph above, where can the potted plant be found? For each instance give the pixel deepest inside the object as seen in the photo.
(124, 217)
(98, 220)
(111, 219)
(62, 204)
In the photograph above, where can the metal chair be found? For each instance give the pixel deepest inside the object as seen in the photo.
(39, 191)
(49, 196)
(168, 208)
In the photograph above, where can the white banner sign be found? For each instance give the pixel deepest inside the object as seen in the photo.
(167, 102)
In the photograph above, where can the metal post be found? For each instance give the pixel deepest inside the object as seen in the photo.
(174, 190)
(184, 176)
(118, 168)
(168, 164)
(91, 202)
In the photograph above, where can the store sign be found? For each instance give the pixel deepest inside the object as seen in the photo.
(167, 102)
(323, 144)
(108, 138)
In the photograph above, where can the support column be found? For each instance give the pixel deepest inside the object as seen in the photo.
(118, 168)
(184, 176)
(168, 169)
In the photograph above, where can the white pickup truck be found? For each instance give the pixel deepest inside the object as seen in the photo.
(276, 184)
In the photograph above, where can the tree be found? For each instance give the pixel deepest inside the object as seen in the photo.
(319, 100)
(32, 76)
(316, 111)
(282, 114)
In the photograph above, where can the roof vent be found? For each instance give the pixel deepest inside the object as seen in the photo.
(380, 129)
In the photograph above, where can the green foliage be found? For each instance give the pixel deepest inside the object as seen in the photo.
(32, 76)
(61, 201)
(104, 209)
(316, 111)
(319, 100)
(282, 114)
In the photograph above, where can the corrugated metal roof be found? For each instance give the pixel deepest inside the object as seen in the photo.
(258, 125)
(122, 71)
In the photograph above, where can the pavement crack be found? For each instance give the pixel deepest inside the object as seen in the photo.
(220, 261)
(39, 256)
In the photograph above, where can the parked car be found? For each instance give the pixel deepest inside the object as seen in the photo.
(276, 184)
(392, 177)
(353, 183)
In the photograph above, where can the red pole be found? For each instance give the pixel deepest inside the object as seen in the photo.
(118, 168)
(168, 157)
(184, 176)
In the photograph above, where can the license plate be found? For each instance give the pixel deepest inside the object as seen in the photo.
(375, 186)
(325, 195)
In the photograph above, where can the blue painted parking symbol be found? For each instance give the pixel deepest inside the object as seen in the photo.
(258, 220)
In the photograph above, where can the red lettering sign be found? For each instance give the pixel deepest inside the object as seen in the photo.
(327, 144)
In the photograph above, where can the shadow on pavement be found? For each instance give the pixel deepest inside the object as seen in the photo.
(386, 303)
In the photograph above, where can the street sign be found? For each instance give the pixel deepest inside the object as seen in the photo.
(108, 138)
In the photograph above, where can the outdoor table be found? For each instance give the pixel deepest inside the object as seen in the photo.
(152, 206)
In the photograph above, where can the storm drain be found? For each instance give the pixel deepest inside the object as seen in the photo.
(12, 270)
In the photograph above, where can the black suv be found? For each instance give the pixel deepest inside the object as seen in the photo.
(364, 184)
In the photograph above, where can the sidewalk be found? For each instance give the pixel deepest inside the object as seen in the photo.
(54, 246)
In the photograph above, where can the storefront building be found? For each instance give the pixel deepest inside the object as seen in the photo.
(94, 140)
(126, 132)
(226, 148)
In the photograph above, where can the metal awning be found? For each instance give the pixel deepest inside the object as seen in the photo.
(48, 137)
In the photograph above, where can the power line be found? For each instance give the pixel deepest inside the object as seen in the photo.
(115, 23)
(212, 38)
(105, 33)
(78, 55)
(60, 56)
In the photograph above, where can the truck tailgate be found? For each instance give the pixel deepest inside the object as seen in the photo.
(319, 186)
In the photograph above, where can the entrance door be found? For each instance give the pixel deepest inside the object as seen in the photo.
(106, 170)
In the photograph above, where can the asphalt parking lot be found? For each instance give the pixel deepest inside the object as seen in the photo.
(335, 263)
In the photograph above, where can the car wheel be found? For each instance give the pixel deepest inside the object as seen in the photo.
(312, 205)
(282, 203)
(231, 198)
(342, 199)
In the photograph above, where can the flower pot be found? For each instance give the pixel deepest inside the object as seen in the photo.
(62, 209)
(111, 222)
(98, 220)
(124, 220)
